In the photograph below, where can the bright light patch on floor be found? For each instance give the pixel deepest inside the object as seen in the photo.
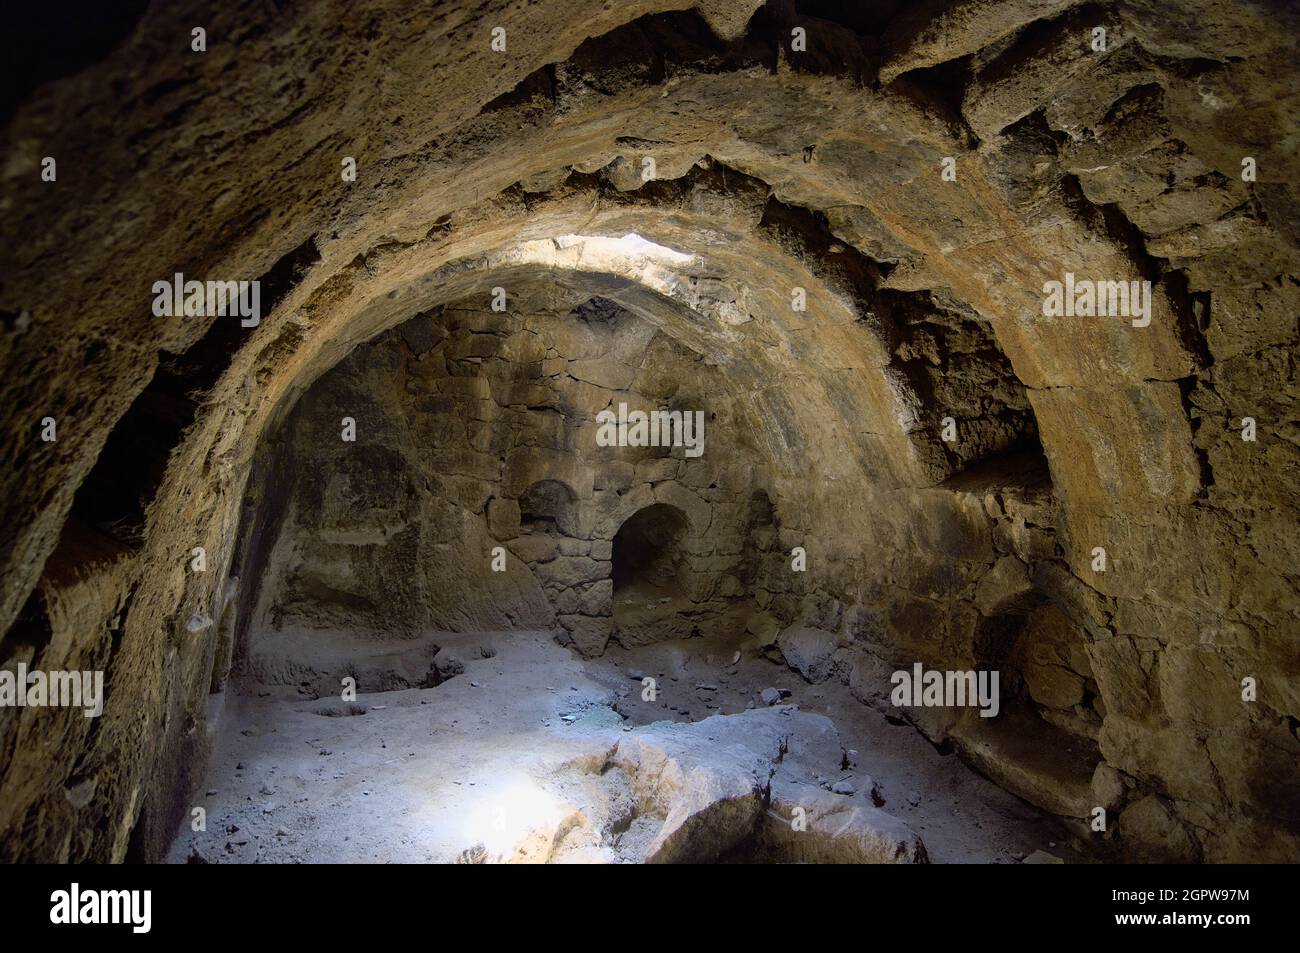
(511, 818)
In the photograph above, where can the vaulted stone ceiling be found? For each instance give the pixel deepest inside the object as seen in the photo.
(917, 173)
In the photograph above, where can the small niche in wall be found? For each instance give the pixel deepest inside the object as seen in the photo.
(548, 507)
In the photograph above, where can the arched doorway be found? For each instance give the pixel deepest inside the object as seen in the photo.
(649, 596)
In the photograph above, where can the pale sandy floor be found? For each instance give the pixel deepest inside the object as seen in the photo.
(423, 773)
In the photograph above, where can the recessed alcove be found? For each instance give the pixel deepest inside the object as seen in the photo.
(548, 507)
(648, 564)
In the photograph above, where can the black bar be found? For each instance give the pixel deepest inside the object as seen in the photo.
(363, 905)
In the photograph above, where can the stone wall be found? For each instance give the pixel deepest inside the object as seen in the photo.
(775, 171)
(475, 430)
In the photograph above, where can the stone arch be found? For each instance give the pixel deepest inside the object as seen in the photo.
(1043, 744)
(646, 548)
(650, 600)
(549, 507)
(1136, 423)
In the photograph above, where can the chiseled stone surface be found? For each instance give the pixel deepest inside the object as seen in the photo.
(774, 170)
(437, 478)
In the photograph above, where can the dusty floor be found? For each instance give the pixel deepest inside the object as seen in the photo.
(424, 775)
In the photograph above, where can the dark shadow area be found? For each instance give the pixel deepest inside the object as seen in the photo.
(548, 506)
(646, 548)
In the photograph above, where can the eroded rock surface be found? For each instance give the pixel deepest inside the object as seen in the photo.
(1164, 679)
(477, 770)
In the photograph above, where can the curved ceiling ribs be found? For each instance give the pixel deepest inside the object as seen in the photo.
(916, 178)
